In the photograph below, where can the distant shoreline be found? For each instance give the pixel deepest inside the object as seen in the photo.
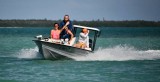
(94, 23)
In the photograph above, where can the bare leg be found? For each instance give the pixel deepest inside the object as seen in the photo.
(77, 45)
(83, 46)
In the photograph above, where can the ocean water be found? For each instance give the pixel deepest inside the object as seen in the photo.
(122, 55)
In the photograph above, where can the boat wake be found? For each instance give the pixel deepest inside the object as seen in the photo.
(120, 53)
(31, 53)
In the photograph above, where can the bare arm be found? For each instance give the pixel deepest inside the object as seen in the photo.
(70, 33)
(51, 34)
(83, 35)
(64, 27)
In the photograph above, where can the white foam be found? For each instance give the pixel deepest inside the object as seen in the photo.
(31, 53)
(120, 53)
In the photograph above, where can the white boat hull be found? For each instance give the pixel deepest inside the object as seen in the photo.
(57, 51)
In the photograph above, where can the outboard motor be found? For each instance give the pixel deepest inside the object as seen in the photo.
(39, 37)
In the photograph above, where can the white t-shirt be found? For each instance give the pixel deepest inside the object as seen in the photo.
(84, 38)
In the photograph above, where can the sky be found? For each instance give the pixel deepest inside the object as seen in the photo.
(81, 9)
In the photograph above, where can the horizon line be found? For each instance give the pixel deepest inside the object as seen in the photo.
(85, 20)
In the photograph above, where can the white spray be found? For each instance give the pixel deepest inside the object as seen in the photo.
(120, 53)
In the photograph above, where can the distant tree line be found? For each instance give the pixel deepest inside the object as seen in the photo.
(26, 23)
(93, 23)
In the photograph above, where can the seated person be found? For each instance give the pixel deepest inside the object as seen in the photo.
(66, 20)
(83, 41)
(66, 33)
(55, 33)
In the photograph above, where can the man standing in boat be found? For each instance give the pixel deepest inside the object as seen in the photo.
(69, 26)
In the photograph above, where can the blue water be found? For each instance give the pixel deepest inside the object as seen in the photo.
(122, 54)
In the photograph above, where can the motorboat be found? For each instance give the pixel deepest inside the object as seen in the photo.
(58, 49)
